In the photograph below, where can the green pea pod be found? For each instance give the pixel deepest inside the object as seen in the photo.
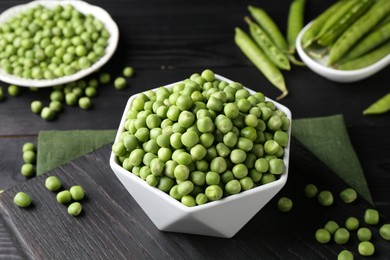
(345, 22)
(295, 22)
(362, 26)
(260, 60)
(369, 42)
(367, 59)
(312, 33)
(269, 26)
(266, 44)
(380, 106)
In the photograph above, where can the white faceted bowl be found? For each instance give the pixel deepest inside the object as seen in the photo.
(222, 218)
(318, 65)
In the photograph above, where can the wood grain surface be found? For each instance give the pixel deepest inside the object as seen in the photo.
(113, 226)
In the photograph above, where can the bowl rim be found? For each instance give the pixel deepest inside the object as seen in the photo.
(85, 8)
(373, 68)
(280, 182)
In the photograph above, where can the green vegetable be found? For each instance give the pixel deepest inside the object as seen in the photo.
(325, 198)
(348, 195)
(64, 197)
(371, 216)
(77, 192)
(331, 226)
(322, 236)
(128, 71)
(270, 27)
(13, 90)
(345, 255)
(384, 231)
(85, 103)
(311, 190)
(28, 147)
(367, 59)
(75, 209)
(29, 156)
(22, 199)
(56, 106)
(47, 113)
(382, 105)
(270, 71)
(295, 22)
(363, 25)
(366, 248)
(341, 236)
(352, 223)
(120, 83)
(104, 78)
(285, 204)
(266, 45)
(364, 234)
(27, 170)
(53, 183)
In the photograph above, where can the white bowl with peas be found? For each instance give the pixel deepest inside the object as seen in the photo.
(198, 191)
(47, 43)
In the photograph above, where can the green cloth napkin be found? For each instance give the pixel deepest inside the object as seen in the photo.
(325, 137)
(56, 148)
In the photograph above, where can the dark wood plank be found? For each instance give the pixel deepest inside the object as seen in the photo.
(113, 226)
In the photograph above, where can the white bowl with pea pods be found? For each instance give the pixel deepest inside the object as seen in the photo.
(83, 7)
(318, 65)
(220, 218)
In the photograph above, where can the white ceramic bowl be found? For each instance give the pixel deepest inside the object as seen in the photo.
(82, 7)
(318, 65)
(223, 218)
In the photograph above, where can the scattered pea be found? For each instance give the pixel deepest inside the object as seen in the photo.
(29, 156)
(47, 113)
(36, 106)
(64, 197)
(85, 103)
(366, 248)
(22, 199)
(371, 216)
(128, 71)
(384, 231)
(345, 255)
(341, 236)
(311, 191)
(75, 209)
(13, 90)
(27, 170)
(77, 192)
(56, 106)
(53, 183)
(331, 226)
(323, 236)
(348, 195)
(120, 83)
(352, 223)
(325, 198)
(364, 234)
(285, 204)
(28, 147)
(104, 78)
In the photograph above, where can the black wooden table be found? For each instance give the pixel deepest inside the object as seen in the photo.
(166, 41)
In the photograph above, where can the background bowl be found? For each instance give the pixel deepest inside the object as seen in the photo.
(344, 76)
(222, 218)
(82, 7)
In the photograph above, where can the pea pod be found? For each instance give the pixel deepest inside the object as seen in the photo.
(362, 26)
(266, 44)
(380, 106)
(345, 22)
(295, 22)
(261, 61)
(369, 42)
(312, 33)
(367, 59)
(269, 26)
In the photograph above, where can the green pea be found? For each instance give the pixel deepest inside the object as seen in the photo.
(240, 171)
(325, 198)
(233, 187)
(213, 192)
(29, 156)
(75, 209)
(352, 223)
(341, 236)
(36, 106)
(284, 204)
(28, 147)
(13, 90)
(64, 197)
(276, 166)
(371, 216)
(364, 234)
(104, 78)
(53, 183)
(345, 255)
(268, 178)
(27, 170)
(201, 199)
(188, 200)
(77, 192)
(322, 236)
(331, 226)
(128, 71)
(384, 231)
(311, 190)
(120, 83)
(348, 195)
(185, 187)
(165, 184)
(22, 199)
(366, 248)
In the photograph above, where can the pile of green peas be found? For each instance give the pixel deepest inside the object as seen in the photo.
(29, 158)
(47, 43)
(203, 139)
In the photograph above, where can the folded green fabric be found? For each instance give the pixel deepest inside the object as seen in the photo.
(325, 137)
(56, 148)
